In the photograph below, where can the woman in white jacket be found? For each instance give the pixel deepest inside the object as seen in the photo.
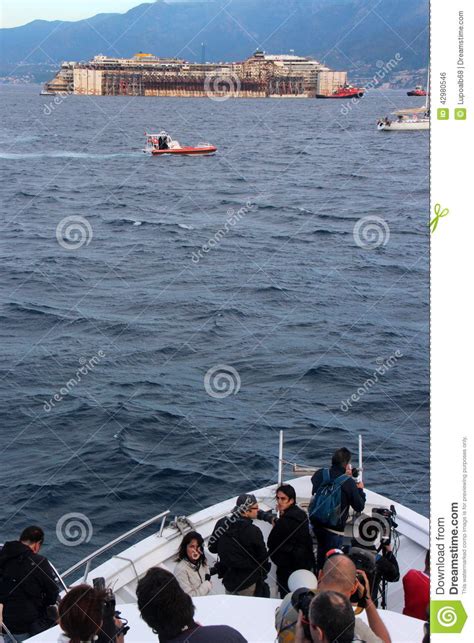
(192, 570)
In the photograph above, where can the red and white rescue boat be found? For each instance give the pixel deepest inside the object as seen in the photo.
(162, 143)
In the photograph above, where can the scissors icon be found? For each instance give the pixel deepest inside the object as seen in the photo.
(438, 215)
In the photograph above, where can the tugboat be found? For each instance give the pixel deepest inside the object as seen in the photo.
(345, 91)
(162, 143)
(418, 91)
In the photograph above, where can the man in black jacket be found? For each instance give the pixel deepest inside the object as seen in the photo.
(243, 557)
(27, 585)
(352, 495)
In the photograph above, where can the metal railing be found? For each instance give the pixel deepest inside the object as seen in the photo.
(87, 561)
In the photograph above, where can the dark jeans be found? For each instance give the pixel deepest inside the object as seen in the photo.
(326, 540)
(282, 576)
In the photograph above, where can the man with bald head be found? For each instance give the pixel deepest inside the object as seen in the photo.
(339, 575)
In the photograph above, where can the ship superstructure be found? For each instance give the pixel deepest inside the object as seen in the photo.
(260, 76)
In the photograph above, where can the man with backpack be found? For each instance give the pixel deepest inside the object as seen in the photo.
(27, 585)
(334, 491)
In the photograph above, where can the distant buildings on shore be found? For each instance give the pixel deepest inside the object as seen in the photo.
(260, 76)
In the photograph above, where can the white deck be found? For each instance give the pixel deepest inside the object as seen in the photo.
(253, 617)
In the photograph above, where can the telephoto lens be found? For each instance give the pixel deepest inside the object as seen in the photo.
(267, 516)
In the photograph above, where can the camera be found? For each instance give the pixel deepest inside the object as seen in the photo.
(386, 519)
(364, 561)
(108, 630)
(266, 516)
(301, 600)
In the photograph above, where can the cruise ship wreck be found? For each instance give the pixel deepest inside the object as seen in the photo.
(260, 76)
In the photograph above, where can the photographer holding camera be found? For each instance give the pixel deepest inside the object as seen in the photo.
(335, 490)
(372, 550)
(330, 620)
(339, 574)
(243, 557)
(88, 614)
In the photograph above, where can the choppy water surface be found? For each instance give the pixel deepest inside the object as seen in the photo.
(288, 293)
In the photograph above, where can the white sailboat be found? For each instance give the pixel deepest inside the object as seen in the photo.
(409, 119)
(253, 617)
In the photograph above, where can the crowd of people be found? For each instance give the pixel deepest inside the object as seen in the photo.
(321, 595)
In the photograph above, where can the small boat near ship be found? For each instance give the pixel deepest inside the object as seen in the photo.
(418, 91)
(345, 91)
(46, 92)
(410, 119)
(417, 118)
(162, 143)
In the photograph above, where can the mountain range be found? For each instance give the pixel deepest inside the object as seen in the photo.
(346, 34)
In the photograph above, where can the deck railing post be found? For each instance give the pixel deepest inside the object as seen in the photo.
(280, 460)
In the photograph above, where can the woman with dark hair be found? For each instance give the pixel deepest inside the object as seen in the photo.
(170, 612)
(290, 544)
(192, 570)
(81, 614)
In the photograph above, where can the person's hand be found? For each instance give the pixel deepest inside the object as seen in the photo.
(360, 485)
(363, 589)
(299, 631)
(118, 624)
(388, 547)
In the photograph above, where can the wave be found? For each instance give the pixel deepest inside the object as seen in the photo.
(271, 289)
(18, 156)
(35, 309)
(333, 373)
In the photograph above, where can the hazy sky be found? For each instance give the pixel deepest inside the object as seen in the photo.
(19, 12)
